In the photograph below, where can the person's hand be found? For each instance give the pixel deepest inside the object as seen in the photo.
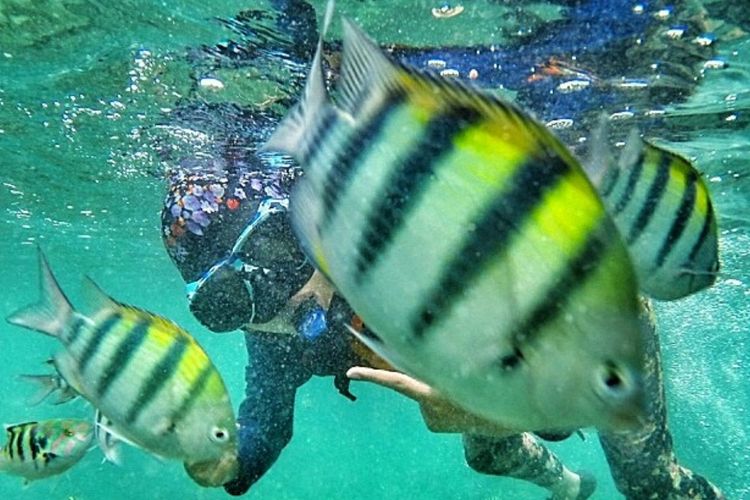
(317, 287)
(439, 413)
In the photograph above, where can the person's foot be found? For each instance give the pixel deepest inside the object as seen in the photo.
(575, 486)
(587, 485)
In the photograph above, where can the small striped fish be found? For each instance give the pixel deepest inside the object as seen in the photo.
(469, 240)
(37, 450)
(663, 209)
(156, 386)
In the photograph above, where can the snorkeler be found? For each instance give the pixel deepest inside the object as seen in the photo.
(226, 228)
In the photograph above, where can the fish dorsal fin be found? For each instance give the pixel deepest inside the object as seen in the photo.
(96, 298)
(11, 428)
(633, 150)
(364, 69)
(289, 136)
(369, 76)
(600, 160)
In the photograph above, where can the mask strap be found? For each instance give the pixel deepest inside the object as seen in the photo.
(266, 208)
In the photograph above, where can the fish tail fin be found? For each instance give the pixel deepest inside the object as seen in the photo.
(52, 312)
(292, 135)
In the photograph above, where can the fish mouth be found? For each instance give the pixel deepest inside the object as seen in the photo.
(213, 473)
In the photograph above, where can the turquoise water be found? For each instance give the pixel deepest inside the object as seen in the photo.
(83, 88)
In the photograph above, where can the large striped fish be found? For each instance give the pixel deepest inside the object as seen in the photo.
(156, 386)
(37, 450)
(663, 210)
(469, 240)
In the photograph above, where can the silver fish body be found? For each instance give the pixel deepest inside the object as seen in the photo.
(469, 240)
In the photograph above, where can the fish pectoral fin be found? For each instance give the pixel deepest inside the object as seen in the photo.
(107, 441)
(377, 346)
(113, 434)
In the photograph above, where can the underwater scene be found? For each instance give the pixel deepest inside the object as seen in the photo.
(292, 249)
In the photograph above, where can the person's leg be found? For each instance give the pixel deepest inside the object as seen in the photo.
(643, 462)
(524, 457)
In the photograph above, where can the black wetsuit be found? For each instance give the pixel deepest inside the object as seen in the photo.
(213, 197)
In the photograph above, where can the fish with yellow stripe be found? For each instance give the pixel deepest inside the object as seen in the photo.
(469, 240)
(663, 209)
(152, 381)
(37, 450)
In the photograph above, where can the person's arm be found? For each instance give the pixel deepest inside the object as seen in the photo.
(266, 415)
(439, 413)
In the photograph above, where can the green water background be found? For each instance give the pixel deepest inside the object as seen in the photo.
(81, 85)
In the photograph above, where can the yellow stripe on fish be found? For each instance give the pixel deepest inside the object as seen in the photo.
(469, 240)
(663, 209)
(149, 378)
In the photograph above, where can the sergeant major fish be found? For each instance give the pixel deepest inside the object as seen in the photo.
(663, 210)
(469, 240)
(37, 450)
(150, 378)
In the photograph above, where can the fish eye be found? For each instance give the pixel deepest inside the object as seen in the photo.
(219, 435)
(612, 382)
(68, 433)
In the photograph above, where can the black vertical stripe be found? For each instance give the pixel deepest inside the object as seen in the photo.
(610, 181)
(580, 267)
(33, 446)
(404, 187)
(684, 212)
(160, 374)
(97, 336)
(633, 178)
(124, 353)
(707, 221)
(75, 330)
(193, 394)
(322, 128)
(493, 232)
(348, 159)
(654, 196)
(41, 441)
(9, 446)
(19, 443)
